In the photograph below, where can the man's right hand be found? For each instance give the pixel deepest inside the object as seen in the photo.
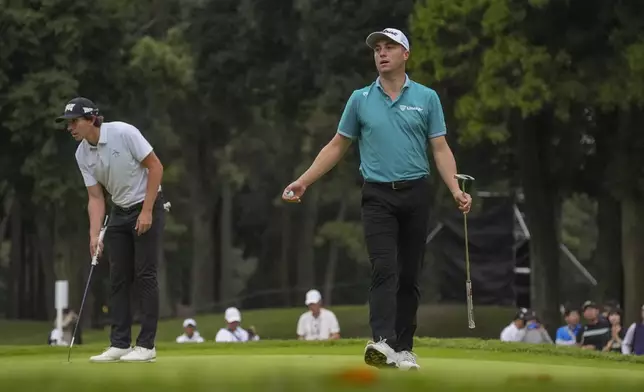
(93, 243)
(298, 190)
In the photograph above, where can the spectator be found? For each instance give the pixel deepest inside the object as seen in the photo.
(535, 333)
(516, 330)
(617, 332)
(233, 333)
(634, 340)
(597, 331)
(56, 338)
(318, 323)
(190, 334)
(567, 335)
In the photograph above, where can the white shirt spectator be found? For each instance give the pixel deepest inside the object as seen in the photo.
(115, 162)
(225, 335)
(196, 338)
(512, 334)
(318, 328)
(190, 325)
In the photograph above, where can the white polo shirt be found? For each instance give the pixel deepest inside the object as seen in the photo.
(115, 162)
(318, 328)
(196, 338)
(227, 336)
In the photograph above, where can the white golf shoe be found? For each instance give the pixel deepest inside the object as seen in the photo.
(111, 354)
(407, 361)
(380, 355)
(140, 354)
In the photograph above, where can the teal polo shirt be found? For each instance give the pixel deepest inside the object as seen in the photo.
(393, 135)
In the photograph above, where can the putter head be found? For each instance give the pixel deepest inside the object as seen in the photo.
(463, 177)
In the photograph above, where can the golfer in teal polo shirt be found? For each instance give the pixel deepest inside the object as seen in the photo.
(393, 120)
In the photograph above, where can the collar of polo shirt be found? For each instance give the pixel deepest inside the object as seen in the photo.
(102, 138)
(405, 85)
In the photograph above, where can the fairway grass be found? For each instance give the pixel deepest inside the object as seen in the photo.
(310, 367)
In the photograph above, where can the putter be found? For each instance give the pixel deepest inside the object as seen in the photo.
(89, 279)
(468, 282)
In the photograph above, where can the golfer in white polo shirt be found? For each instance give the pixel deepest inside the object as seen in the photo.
(318, 323)
(116, 157)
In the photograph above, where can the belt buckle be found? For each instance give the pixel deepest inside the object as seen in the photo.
(393, 185)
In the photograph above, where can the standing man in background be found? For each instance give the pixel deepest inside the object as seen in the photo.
(393, 119)
(116, 156)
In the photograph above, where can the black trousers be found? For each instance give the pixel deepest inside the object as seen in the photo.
(133, 271)
(395, 226)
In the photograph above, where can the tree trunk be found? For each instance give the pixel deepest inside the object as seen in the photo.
(607, 256)
(165, 306)
(203, 263)
(226, 292)
(45, 246)
(541, 209)
(283, 267)
(334, 251)
(201, 211)
(633, 257)
(15, 263)
(306, 252)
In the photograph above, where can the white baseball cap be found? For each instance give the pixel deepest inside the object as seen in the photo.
(188, 322)
(388, 33)
(312, 297)
(232, 315)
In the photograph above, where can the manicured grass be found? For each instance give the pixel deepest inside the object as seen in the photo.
(447, 365)
(445, 321)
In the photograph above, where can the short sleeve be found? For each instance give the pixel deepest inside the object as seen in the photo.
(335, 326)
(136, 143)
(436, 121)
(222, 336)
(300, 326)
(560, 334)
(349, 125)
(88, 177)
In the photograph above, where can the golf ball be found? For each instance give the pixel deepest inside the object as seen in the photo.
(290, 194)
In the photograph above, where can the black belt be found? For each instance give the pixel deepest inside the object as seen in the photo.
(398, 185)
(131, 208)
(137, 206)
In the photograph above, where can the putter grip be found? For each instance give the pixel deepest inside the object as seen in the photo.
(100, 241)
(470, 305)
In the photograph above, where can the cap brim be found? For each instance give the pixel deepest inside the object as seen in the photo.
(374, 37)
(68, 116)
(233, 319)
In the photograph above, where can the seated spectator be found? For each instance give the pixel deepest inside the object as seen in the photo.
(190, 334)
(567, 335)
(535, 333)
(56, 338)
(318, 323)
(617, 332)
(516, 330)
(597, 331)
(233, 333)
(634, 339)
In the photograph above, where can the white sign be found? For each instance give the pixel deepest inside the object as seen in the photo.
(62, 294)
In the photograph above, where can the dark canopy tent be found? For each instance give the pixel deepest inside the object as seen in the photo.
(492, 253)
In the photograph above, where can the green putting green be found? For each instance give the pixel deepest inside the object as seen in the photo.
(302, 366)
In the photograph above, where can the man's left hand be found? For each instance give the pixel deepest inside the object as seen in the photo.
(143, 222)
(464, 201)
